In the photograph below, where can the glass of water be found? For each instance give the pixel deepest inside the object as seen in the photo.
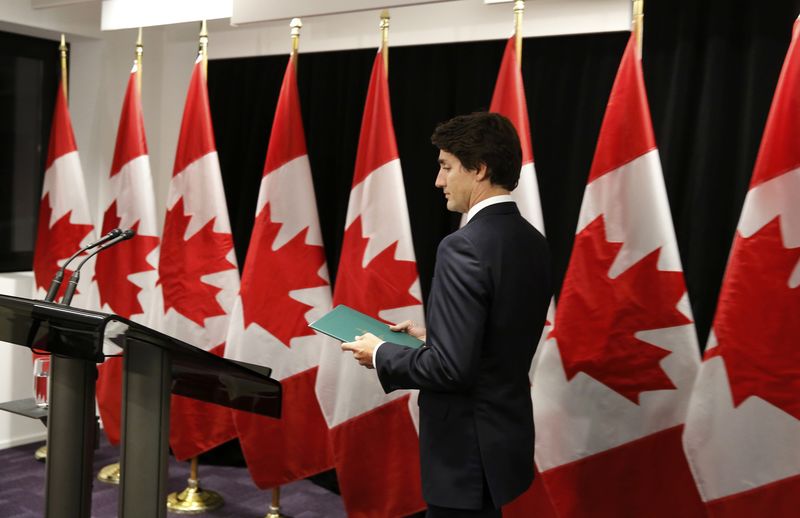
(41, 377)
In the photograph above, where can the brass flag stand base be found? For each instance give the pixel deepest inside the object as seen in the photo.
(109, 474)
(275, 506)
(41, 454)
(193, 499)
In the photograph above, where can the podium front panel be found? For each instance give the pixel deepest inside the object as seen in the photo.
(202, 375)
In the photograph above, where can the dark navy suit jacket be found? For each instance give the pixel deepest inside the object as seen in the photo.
(486, 309)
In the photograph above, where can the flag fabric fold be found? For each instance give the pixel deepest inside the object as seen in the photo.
(509, 100)
(284, 287)
(198, 276)
(125, 276)
(614, 377)
(743, 428)
(64, 220)
(374, 435)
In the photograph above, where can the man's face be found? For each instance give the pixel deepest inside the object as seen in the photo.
(456, 181)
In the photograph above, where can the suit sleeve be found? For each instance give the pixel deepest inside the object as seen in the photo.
(457, 313)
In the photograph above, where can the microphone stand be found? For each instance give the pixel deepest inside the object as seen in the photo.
(72, 284)
(55, 284)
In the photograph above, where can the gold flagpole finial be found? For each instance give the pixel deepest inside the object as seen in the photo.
(519, 8)
(296, 24)
(62, 50)
(139, 54)
(638, 24)
(204, 45)
(384, 26)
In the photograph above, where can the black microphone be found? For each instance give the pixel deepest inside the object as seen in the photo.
(55, 284)
(123, 235)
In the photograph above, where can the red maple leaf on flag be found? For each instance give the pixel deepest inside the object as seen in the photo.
(758, 321)
(383, 283)
(271, 274)
(598, 316)
(114, 265)
(184, 262)
(54, 244)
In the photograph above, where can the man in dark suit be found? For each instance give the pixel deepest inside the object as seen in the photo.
(485, 313)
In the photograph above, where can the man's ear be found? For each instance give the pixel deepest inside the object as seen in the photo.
(481, 173)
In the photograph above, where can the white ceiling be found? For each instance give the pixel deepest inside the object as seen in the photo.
(413, 21)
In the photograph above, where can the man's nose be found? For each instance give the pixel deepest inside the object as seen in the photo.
(440, 180)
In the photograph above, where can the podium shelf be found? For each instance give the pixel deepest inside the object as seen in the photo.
(25, 407)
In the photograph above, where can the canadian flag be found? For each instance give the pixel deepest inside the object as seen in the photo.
(375, 436)
(126, 274)
(614, 379)
(284, 287)
(743, 429)
(198, 276)
(64, 221)
(509, 100)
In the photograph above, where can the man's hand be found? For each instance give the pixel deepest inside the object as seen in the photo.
(412, 328)
(362, 348)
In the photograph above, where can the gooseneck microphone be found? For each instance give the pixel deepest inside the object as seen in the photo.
(55, 284)
(72, 284)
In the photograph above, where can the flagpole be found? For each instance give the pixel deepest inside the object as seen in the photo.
(295, 25)
(195, 499)
(138, 60)
(274, 509)
(384, 26)
(111, 473)
(41, 453)
(62, 48)
(519, 8)
(638, 24)
(203, 50)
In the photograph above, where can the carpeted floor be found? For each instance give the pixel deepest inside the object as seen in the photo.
(22, 489)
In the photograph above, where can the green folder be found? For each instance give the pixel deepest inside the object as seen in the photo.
(344, 324)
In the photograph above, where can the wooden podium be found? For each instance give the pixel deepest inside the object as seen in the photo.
(155, 366)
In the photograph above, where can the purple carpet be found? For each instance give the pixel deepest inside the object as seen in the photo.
(22, 489)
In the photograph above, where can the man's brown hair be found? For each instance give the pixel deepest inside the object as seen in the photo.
(483, 138)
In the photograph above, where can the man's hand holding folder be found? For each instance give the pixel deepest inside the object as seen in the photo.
(362, 334)
(346, 324)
